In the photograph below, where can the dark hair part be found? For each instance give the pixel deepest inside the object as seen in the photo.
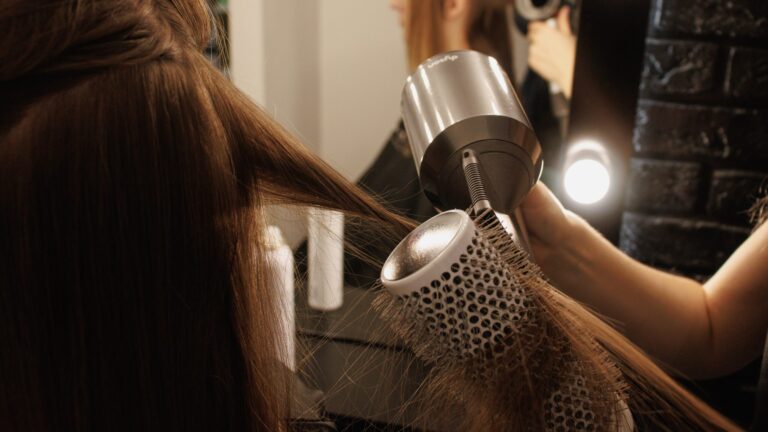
(132, 289)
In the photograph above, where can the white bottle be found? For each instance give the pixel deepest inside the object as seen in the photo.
(281, 267)
(326, 259)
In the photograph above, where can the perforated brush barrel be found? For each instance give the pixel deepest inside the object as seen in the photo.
(464, 100)
(455, 283)
(458, 295)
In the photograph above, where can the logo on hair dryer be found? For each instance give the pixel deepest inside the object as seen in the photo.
(448, 57)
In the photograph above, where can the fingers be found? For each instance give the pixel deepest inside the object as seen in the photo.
(535, 33)
(551, 52)
(542, 62)
(564, 20)
(543, 68)
(539, 199)
(541, 37)
(545, 218)
(535, 26)
(543, 33)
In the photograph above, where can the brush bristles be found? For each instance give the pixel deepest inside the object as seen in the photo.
(502, 348)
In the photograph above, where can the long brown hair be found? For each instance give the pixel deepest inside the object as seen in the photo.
(488, 31)
(132, 294)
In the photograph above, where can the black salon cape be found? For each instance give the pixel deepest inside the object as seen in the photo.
(393, 181)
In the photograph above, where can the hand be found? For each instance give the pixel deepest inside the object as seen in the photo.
(552, 51)
(550, 226)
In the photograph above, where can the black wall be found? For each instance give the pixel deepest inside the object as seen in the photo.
(700, 147)
(701, 137)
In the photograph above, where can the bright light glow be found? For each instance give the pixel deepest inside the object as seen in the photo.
(587, 181)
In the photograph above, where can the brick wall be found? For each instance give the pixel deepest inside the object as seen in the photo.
(701, 133)
(700, 154)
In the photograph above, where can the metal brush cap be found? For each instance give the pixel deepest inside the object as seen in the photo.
(434, 244)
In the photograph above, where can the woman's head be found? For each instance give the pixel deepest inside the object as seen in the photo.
(435, 26)
(132, 294)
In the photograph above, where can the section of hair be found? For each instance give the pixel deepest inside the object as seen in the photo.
(132, 288)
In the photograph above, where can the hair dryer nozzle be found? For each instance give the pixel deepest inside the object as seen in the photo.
(463, 100)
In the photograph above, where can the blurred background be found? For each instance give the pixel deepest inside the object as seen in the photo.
(331, 71)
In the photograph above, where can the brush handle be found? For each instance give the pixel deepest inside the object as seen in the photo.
(512, 222)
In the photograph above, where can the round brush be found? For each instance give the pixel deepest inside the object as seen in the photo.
(467, 300)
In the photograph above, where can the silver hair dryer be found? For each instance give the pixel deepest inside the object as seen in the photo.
(460, 295)
(471, 140)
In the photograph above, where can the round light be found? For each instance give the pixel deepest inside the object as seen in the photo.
(587, 181)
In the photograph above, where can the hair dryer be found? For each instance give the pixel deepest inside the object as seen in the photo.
(471, 140)
(463, 295)
(542, 10)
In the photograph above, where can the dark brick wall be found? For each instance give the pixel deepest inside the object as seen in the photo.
(720, 18)
(700, 148)
(701, 133)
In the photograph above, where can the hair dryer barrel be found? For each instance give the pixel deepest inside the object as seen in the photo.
(463, 100)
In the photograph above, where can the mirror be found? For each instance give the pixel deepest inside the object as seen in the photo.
(679, 88)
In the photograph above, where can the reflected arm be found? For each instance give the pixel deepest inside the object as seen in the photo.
(698, 330)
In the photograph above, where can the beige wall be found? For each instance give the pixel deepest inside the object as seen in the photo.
(331, 71)
(292, 67)
(362, 71)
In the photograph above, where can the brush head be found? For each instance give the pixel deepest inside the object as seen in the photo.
(452, 280)
(468, 301)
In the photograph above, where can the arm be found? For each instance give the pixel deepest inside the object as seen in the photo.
(700, 330)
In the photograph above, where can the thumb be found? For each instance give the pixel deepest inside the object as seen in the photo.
(564, 20)
(534, 28)
(540, 200)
